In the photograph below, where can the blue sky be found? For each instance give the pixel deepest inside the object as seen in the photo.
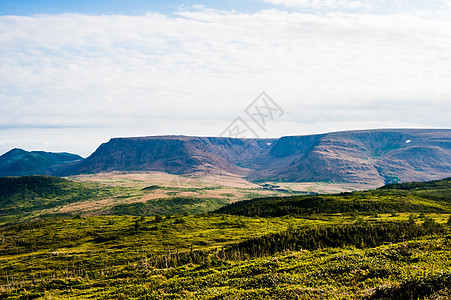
(140, 7)
(130, 7)
(74, 74)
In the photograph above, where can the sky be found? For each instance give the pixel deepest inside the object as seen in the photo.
(74, 74)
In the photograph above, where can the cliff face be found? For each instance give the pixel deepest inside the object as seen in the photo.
(367, 156)
(175, 154)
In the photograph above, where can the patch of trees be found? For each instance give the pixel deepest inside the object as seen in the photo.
(38, 186)
(176, 205)
(357, 235)
(435, 184)
(302, 206)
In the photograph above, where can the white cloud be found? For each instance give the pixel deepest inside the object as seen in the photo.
(431, 8)
(321, 4)
(195, 72)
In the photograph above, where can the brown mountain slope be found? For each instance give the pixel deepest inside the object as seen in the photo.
(368, 156)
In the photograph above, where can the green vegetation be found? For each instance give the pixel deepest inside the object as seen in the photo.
(358, 235)
(179, 189)
(407, 197)
(436, 286)
(361, 245)
(435, 190)
(217, 256)
(45, 197)
(176, 205)
(23, 198)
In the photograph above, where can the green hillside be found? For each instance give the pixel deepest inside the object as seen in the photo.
(434, 196)
(326, 250)
(25, 197)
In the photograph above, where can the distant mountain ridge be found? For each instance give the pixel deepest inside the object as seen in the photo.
(366, 156)
(18, 162)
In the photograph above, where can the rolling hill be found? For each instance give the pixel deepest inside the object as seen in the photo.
(27, 197)
(419, 197)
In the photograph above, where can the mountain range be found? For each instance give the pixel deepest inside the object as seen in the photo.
(365, 156)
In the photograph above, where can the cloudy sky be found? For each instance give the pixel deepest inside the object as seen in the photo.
(74, 74)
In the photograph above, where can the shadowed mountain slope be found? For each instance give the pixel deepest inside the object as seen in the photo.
(18, 162)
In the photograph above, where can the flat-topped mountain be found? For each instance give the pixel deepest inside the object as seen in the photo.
(365, 156)
(176, 154)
